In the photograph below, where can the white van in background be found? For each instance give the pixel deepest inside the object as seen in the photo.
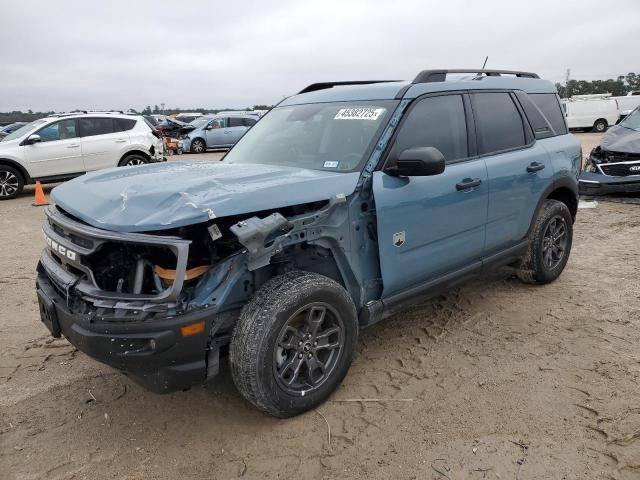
(596, 112)
(628, 102)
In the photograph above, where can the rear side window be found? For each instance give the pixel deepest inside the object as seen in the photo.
(549, 105)
(124, 124)
(235, 122)
(437, 122)
(91, 126)
(498, 122)
(538, 122)
(248, 122)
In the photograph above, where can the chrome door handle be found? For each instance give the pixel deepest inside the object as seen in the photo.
(75, 145)
(535, 167)
(468, 183)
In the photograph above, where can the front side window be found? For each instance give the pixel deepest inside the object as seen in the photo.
(324, 136)
(217, 123)
(61, 130)
(438, 122)
(92, 126)
(498, 122)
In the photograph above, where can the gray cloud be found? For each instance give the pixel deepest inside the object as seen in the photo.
(121, 54)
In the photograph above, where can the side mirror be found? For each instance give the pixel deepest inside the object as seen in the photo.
(209, 127)
(418, 162)
(33, 139)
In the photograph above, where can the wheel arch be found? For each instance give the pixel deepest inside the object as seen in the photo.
(563, 189)
(23, 171)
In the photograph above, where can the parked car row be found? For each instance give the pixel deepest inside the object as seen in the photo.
(12, 127)
(63, 146)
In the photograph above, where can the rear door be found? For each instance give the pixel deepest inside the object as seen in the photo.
(429, 226)
(102, 142)
(517, 165)
(236, 128)
(59, 151)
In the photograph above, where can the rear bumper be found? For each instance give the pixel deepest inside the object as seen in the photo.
(153, 352)
(598, 184)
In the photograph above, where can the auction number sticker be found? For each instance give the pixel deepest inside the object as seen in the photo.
(359, 113)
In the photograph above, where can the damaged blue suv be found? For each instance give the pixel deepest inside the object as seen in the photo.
(345, 203)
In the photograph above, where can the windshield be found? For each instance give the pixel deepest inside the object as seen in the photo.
(632, 120)
(22, 130)
(322, 136)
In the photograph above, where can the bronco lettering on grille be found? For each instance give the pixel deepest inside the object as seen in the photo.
(62, 250)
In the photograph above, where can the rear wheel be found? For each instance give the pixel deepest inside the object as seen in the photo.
(549, 244)
(198, 146)
(11, 182)
(133, 160)
(293, 343)
(600, 125)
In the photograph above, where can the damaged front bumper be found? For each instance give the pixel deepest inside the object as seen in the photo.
(150, 337)
(602, 177)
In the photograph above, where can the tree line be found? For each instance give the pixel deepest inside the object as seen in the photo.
(29, 116)
(622, 85)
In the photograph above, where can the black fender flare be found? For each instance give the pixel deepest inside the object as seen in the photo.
(563, 182)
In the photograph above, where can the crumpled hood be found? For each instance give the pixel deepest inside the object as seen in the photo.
(174, 194)
(620, 139)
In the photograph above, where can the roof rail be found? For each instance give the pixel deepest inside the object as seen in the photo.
(428, 76)
(324, 85)
(83, 112)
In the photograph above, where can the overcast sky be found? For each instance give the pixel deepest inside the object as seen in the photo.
(60, 55)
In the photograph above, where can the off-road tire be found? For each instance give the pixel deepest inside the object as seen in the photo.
(600, 126)
(198, 146)
(11, 182)
(532, 269)
(254, 340)
(133, 160)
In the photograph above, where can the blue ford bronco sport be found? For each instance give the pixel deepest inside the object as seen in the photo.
(343, 204)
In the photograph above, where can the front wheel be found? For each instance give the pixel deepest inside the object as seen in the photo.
(293, 343)
(11, 182)
(549, 244)
(198, 146)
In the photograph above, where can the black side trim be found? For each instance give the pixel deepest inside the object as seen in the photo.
(378, 310)
(58, 178)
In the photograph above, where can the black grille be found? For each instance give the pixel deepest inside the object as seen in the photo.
(621, 170)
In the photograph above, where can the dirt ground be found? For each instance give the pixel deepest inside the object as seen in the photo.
(494, 380)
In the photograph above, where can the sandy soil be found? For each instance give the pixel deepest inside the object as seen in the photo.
(495, 380)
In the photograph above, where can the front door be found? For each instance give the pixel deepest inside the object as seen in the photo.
(215, 132)
(430, 226)
(59, 151)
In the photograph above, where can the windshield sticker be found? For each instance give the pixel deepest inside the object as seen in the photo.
(359, 113)
(331, 164)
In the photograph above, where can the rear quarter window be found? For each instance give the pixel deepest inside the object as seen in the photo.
(541, 128)
(549, 105)
(124, 124)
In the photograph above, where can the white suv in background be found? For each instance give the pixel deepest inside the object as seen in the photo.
(63, 146)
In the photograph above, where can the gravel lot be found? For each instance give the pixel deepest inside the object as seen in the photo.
(494, 380)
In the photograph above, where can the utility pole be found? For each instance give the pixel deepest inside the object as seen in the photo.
(162, 105)
(567, 83)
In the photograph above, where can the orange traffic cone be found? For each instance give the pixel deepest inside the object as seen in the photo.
(40, 199)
